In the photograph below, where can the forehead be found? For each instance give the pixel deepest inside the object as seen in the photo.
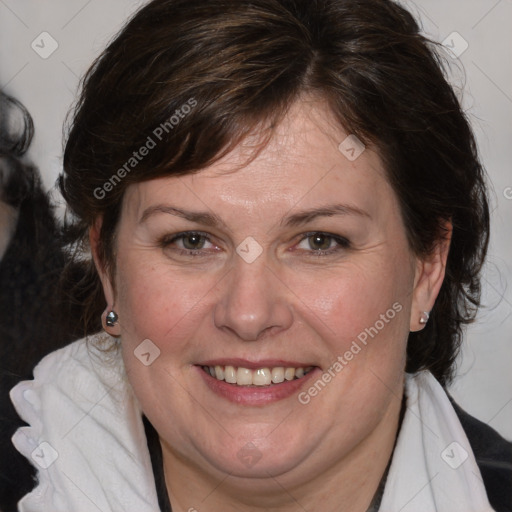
(301, 165)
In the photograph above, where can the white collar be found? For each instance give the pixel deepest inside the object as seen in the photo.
(87, 441)
(433, 467)
(82, 410)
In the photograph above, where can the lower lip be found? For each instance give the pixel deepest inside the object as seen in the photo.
(255, 395)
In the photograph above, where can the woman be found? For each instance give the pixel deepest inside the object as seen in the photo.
(287, 218)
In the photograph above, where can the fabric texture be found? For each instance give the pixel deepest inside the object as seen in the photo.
(433, 466)
(85, 435)
(87, 440)
(493, 454)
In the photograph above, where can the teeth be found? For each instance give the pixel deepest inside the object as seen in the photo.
(244, 377)
(230, 374)
(219, 373)
(277, 375)
(289, 373)
(260, 377)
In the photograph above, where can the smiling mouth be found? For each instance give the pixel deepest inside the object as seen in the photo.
(240, 376)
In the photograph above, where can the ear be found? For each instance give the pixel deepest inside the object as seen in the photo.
(429, 276)
(104, 274)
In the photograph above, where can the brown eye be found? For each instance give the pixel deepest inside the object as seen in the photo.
(320, 242)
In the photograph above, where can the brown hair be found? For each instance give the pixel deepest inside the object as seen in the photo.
(244, 63)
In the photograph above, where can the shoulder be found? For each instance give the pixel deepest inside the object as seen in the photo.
(493, 454)
(88, 353)
(75, 373)
(83, 421)
(57, 369)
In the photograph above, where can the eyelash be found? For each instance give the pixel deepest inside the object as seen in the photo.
(167, 241)
(342, 243)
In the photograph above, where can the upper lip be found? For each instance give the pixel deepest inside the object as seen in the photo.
(254, 365)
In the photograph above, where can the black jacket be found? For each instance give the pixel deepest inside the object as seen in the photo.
(493, 455)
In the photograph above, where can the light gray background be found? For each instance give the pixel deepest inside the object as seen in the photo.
(82, 28)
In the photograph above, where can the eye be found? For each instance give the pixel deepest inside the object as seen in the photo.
(192, 241)
(319, 243)
(188, 243)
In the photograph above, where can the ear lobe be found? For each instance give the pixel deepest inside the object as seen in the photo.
(104, 275)
(430, 273)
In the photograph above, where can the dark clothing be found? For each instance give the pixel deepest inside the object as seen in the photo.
(493, 454)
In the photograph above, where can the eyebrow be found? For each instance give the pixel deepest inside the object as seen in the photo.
(208, 219)
(305, 216)
(297, 219)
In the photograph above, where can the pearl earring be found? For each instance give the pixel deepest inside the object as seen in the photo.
(425, 315)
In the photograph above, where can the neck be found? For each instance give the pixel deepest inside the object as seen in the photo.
(349, 485)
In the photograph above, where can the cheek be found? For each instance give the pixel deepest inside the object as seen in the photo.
(357, 301)
(158, 304)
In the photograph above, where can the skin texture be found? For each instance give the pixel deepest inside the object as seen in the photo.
(289, 304)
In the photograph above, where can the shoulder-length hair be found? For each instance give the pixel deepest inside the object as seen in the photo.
(243, 63)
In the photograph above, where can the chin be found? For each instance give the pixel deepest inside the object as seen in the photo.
(260, 459)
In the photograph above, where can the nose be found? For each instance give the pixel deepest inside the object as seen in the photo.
(253, 303)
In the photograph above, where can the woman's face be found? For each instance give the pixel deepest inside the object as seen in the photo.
(296, 260)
